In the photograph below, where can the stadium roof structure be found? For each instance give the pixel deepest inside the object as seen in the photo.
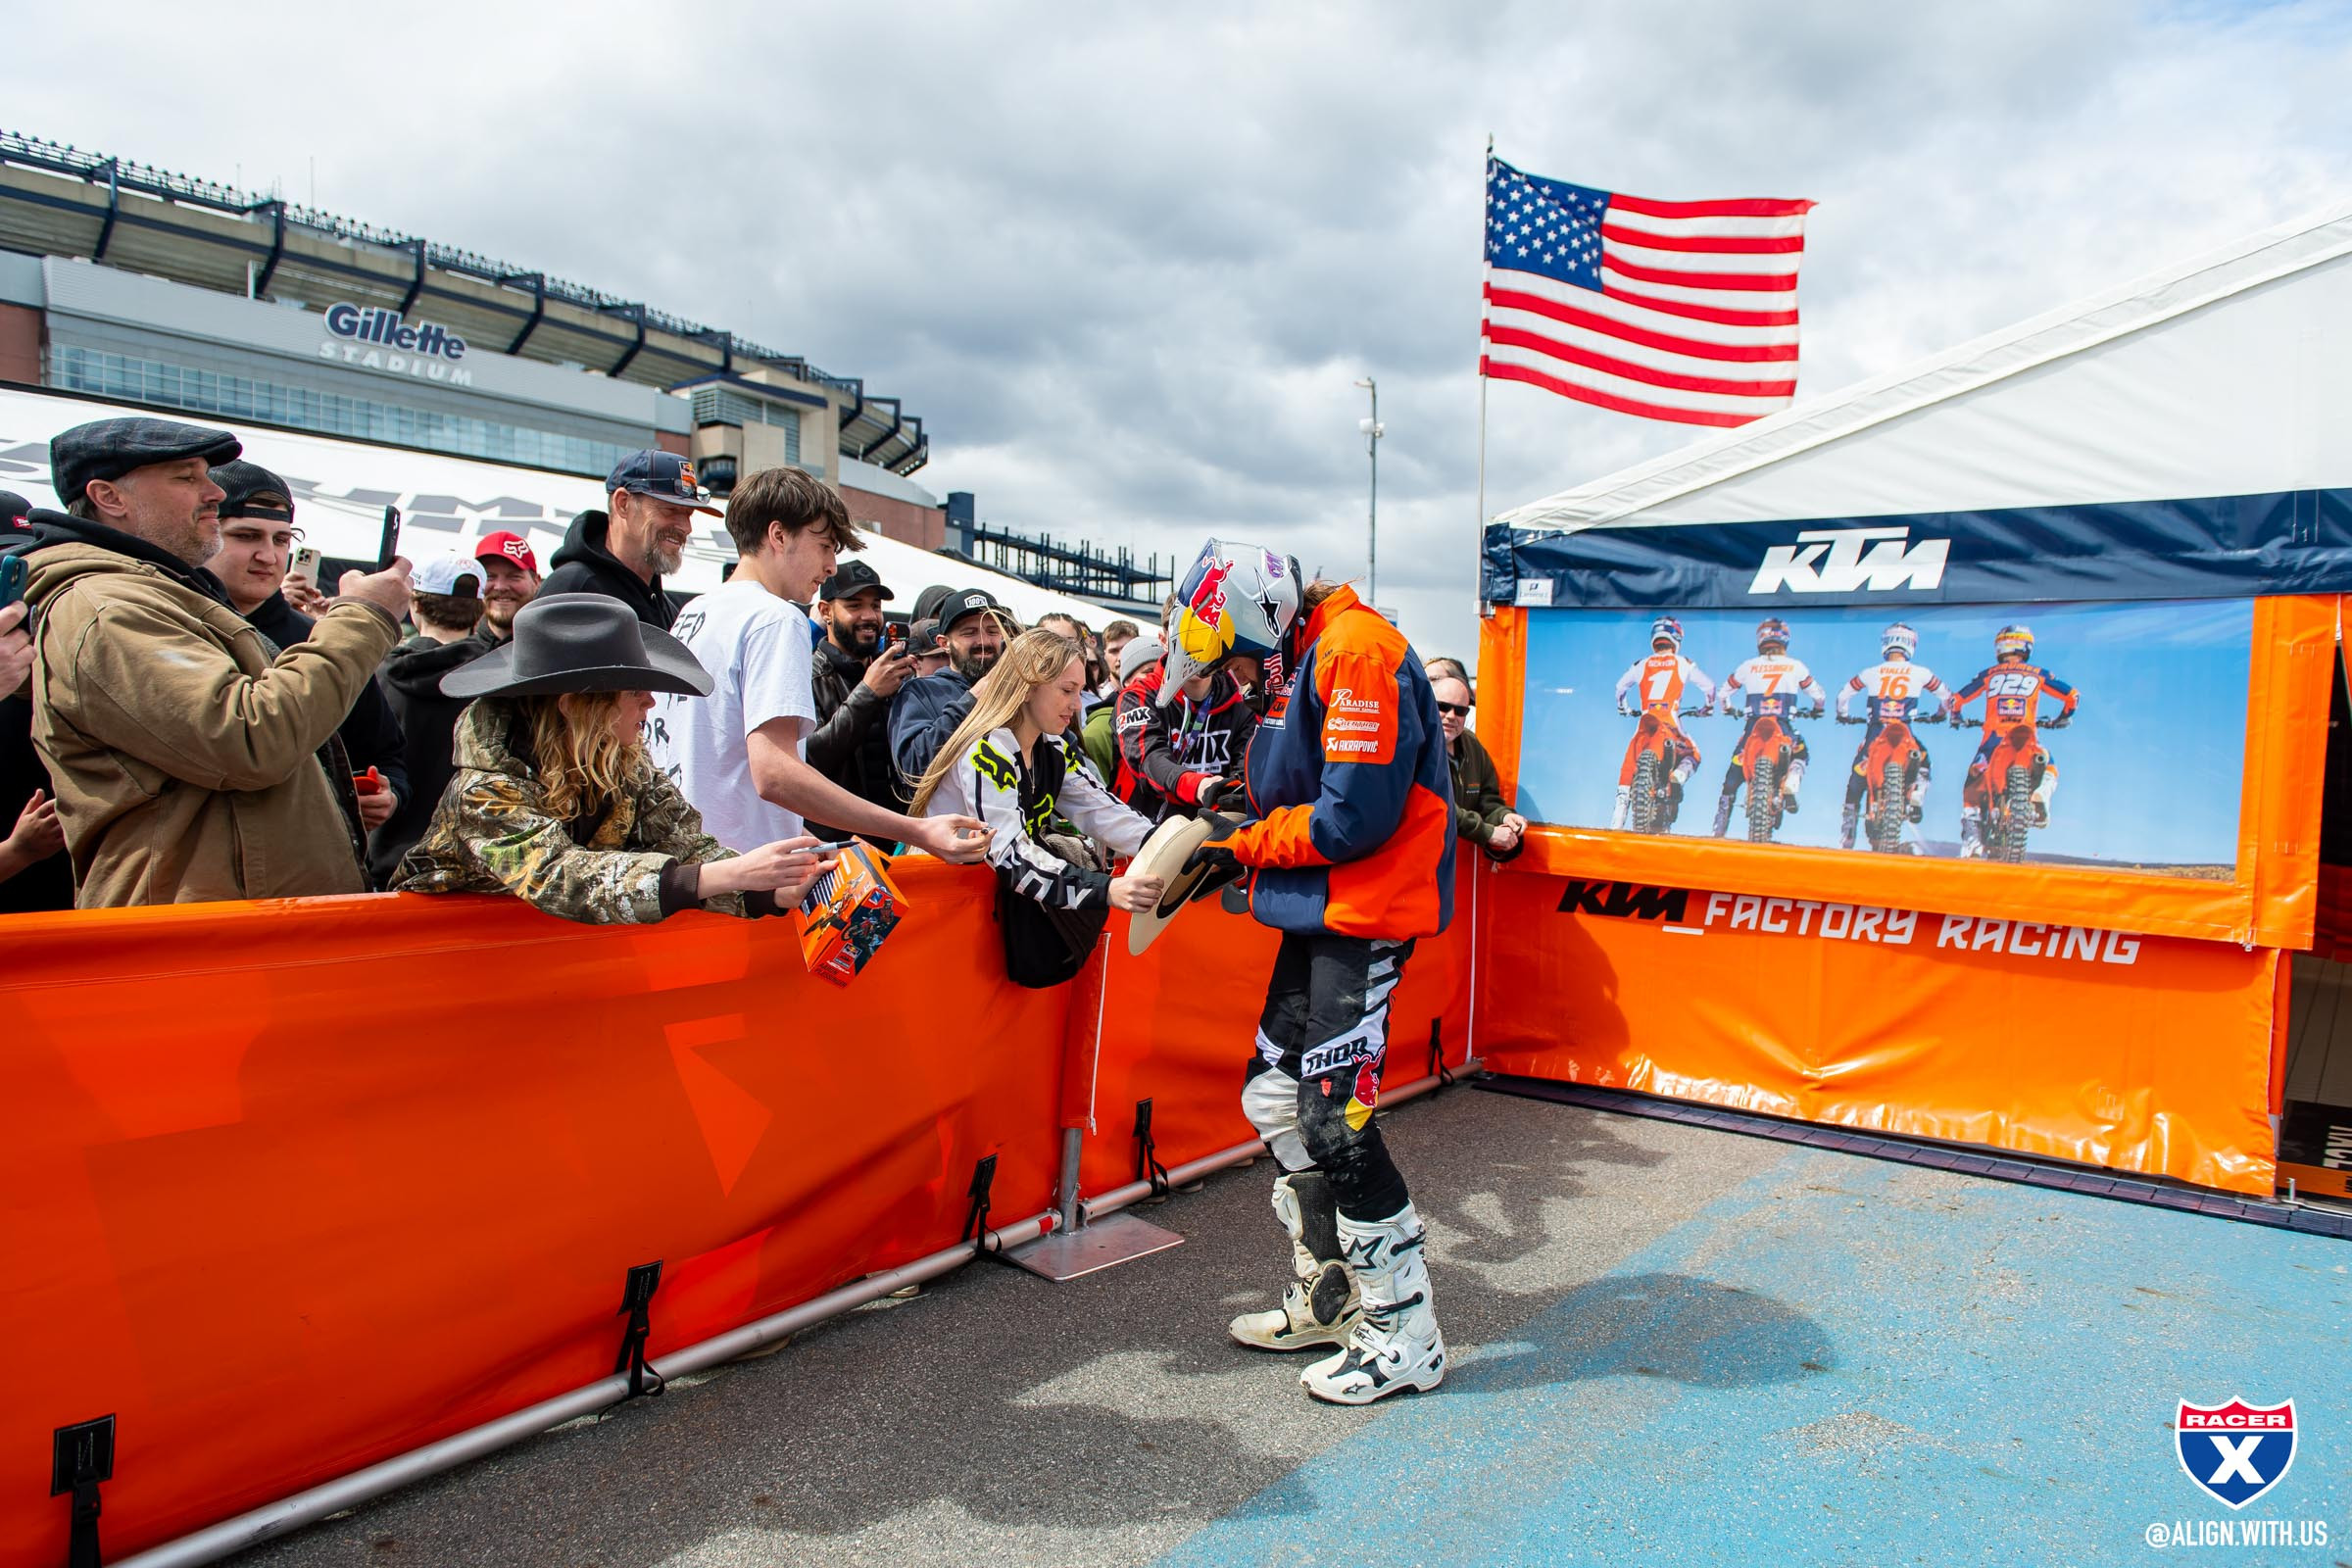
(2223, 375)
(67, 202)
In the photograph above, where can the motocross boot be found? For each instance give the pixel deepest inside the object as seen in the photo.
(1917, 807)
(1723, 813)
(1321, 1306)
(1397, 1346)
(1674, 801)
(1625, 797)
(1793, 773)
(2041, 798)
(1848, 821)
(1972, 834)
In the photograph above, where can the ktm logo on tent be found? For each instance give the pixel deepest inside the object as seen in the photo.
(1625, 901)
(1834, 561)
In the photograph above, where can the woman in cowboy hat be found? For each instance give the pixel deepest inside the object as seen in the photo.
(553, 799)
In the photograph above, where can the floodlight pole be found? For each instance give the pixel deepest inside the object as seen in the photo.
(1372, 434)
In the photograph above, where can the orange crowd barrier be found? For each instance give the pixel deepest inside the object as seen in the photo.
(1182, 1020)
(293, 1188)
(2149, 1054)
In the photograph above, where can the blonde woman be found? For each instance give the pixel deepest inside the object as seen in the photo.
(552, 798)
(1013, 765)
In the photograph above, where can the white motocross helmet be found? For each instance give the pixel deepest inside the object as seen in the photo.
(1236, 599)
(1899, 639)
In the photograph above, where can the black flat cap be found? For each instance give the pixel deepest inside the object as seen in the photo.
(851, 577)
(242, 481)
(108, 449)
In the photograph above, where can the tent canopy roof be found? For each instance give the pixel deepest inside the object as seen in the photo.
(2230, 374)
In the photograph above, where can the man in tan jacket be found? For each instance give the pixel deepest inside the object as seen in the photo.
(184, 751)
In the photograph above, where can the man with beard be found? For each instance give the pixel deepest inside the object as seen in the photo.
(257, 538)
(511, 577)
(184, 749)
(927, 711)
(623, 553)
(856, 675)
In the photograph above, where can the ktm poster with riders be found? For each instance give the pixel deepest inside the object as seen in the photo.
(2152, 697)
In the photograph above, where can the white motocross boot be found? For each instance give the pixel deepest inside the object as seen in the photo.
(2041, 798)
(1397, 1346)
(1617, 815)
(1319, 1307)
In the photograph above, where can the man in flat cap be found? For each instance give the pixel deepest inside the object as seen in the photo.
(185, 751)
(623, 552)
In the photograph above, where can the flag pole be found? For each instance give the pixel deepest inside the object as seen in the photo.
(1482, 271)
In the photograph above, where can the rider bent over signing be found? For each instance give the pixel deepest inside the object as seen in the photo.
(1353, 852)
(1892, 691)
(1657, 683)
(1770, 686)
(2012, 689)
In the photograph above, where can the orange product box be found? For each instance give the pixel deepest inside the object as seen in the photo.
(848, 913)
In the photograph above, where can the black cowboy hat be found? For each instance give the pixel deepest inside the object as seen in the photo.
(580, 642)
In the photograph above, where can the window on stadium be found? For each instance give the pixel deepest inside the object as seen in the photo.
(151, 381)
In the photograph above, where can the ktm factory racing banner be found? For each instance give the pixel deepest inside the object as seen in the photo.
(2140, 1054)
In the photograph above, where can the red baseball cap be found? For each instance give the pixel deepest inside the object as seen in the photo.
(512, 547)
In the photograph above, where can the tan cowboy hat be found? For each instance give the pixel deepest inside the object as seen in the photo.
(1162, 856)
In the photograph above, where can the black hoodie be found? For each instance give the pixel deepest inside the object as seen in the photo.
(585, 566)
(411, 676)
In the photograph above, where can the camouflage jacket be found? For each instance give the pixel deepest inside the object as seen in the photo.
(492, 833)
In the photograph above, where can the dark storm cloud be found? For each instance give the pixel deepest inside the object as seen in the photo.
(1126, 264)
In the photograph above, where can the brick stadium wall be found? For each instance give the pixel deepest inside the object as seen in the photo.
(924, 527)
(21, 344)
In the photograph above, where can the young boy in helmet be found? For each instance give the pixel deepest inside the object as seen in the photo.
(1768, 686)
(1892, 691)
(1352, 851)
(2012, 689)
(1659, 681)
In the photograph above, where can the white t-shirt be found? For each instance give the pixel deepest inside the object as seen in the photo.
(757, 648)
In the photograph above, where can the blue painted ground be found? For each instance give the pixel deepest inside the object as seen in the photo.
(1850, 1361)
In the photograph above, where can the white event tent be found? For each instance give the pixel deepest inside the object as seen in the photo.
(2228, 375)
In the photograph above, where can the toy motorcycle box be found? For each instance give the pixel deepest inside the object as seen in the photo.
(847, 913)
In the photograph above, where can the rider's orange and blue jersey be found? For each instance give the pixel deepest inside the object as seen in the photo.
(2013, 695)
(1661, 679)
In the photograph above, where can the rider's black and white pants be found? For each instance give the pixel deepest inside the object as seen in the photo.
(1321, 1043)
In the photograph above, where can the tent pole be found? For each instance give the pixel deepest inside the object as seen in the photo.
(1484, 272)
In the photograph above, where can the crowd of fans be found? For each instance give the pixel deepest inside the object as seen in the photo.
(187, 715)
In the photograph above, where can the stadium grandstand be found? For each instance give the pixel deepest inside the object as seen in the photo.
(132, 284)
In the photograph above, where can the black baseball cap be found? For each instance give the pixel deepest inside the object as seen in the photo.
(16, 512)
(964, 602)
(922, 639)
(854, 578)
(662, 475)
(108, 449)
(242, 481)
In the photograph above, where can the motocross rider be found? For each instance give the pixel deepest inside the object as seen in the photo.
(1891, 691)
(1660, 679)
(2012, 689)
(1772, 683)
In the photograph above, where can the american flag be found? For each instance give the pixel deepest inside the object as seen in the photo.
(1681, 311)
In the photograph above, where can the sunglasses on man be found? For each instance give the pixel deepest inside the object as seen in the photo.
(1455, 709)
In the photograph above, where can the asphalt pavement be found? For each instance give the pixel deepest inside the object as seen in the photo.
(1671, 1345)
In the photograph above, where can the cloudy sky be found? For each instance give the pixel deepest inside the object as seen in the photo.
(1128, 262)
